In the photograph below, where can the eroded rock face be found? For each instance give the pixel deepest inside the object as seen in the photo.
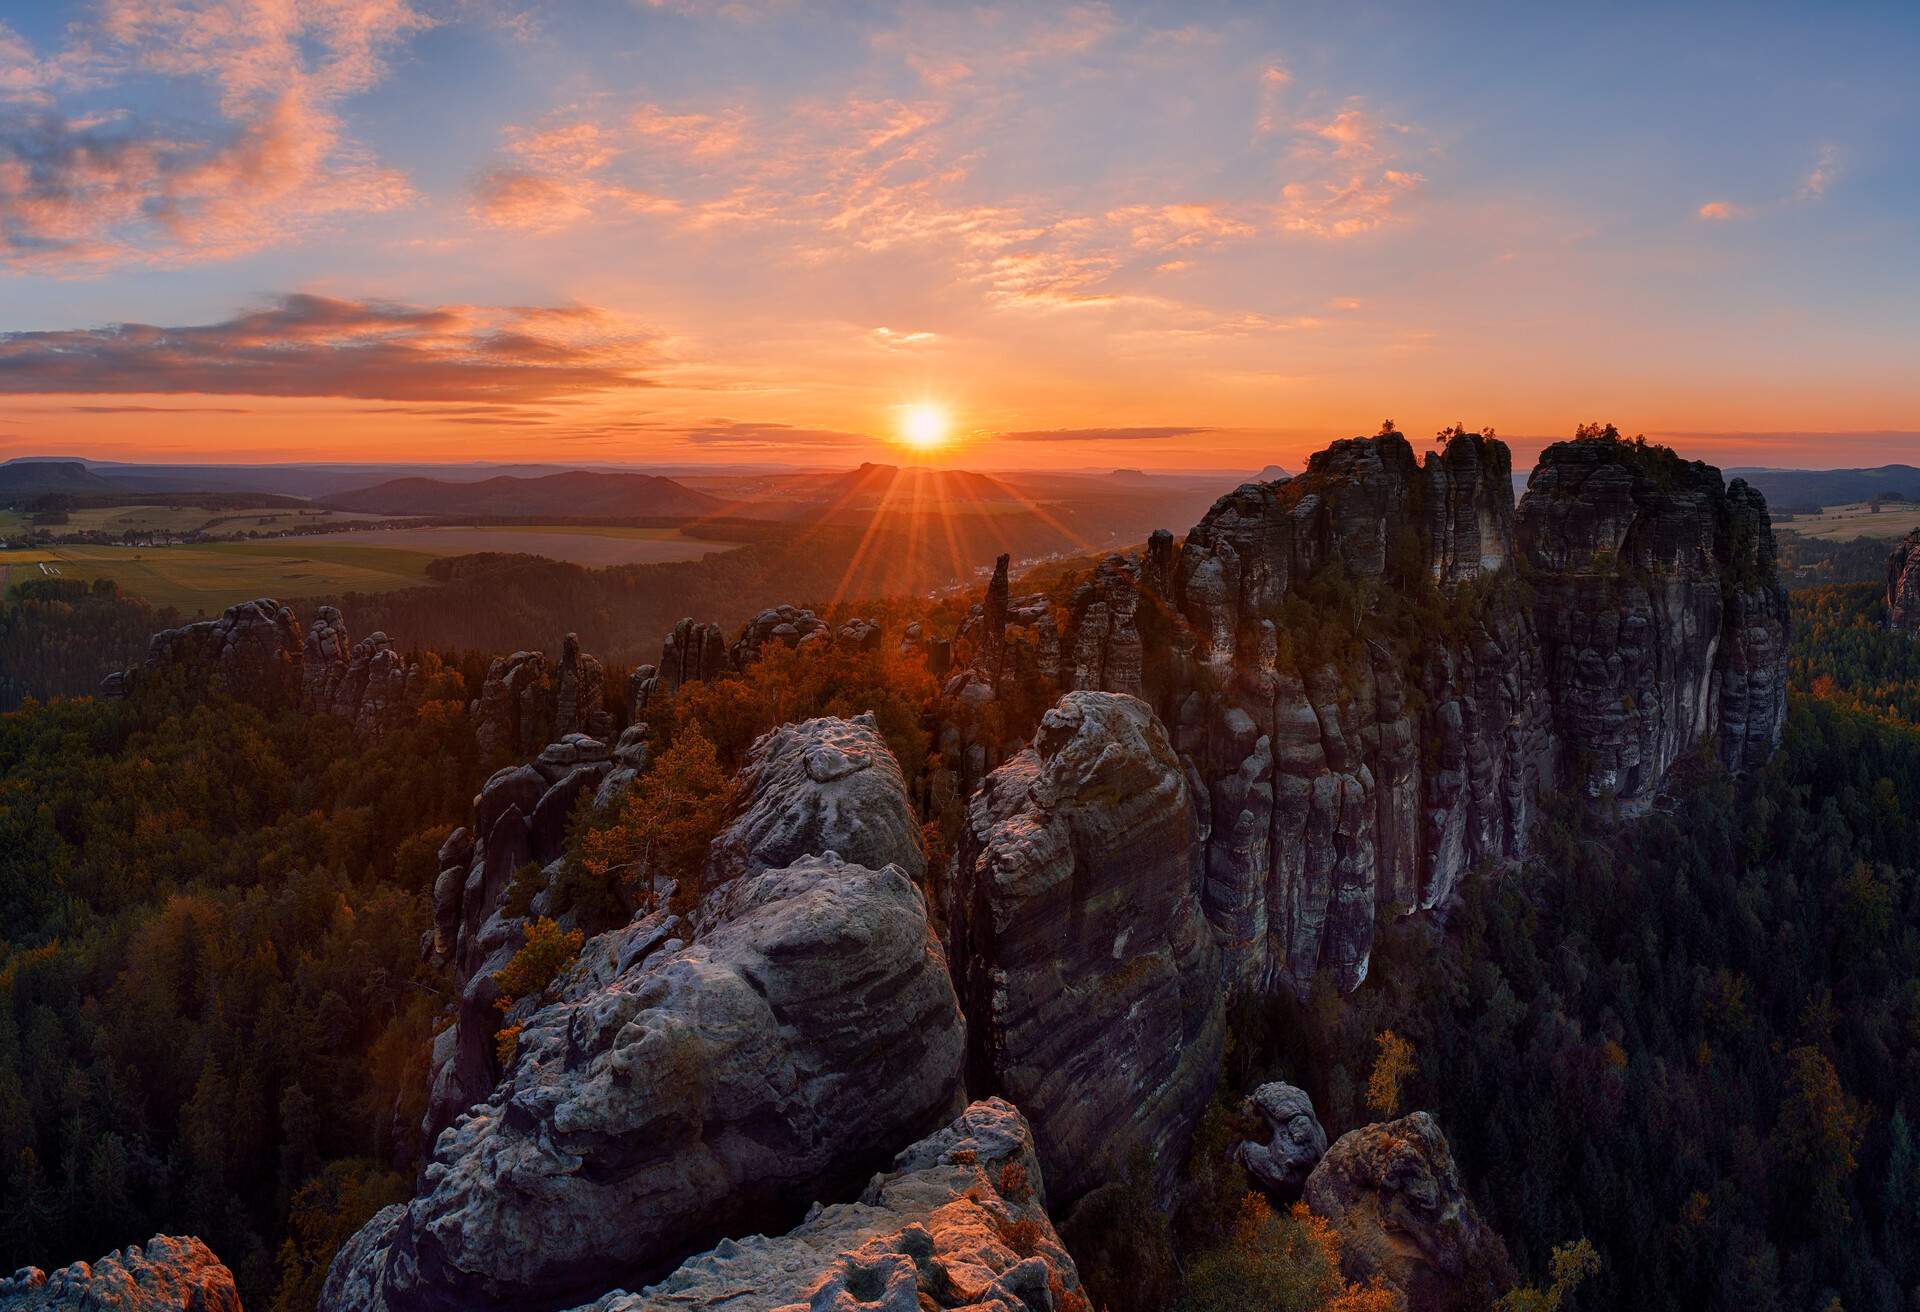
(1660, 620)
(1903, 583)
(167, 1274)
(708, 1090)
(827, 785)
(958, 1221)
(252, 652)
(1089, 976)
(1339, 777)
(1295, 1142)
(1394, 1196)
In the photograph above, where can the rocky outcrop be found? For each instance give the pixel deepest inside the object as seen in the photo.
(579, 693)
(958, 1221)
(1372, 672)
(1661, 623)
(520, 819)
(827, 785)
(167, 1274)
(1395, 1200)
(1089, 976)
(1295, 1142)
(251, 653)
(1903, 583)
(710, 1089)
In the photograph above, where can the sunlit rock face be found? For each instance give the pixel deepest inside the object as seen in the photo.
(1394, 1197)
(1090, 978)
(1903, 584)
(958, 1221)
(683, 1086)
(166, 1274)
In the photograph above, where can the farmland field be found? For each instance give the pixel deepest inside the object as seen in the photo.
(1839, 523)
(581, 544)
(210, 576)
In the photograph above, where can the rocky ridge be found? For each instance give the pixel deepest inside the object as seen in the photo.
(166, 1274)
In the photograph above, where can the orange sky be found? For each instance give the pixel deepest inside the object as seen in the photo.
(1098, 236)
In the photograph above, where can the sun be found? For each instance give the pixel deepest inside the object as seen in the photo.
(925, 427)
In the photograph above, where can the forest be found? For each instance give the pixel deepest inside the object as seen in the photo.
(1687, 1040)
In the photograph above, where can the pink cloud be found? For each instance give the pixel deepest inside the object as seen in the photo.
(1720, 211)
(315, 346)
(80, 192)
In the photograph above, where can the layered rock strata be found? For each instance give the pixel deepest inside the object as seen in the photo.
(958, 1221)
(1082, 956)
(167, 1274)
(709, 1089)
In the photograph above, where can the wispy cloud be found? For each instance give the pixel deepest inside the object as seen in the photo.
(89, 190)
(1820, 176)
(1721, 210)
(315, 346)
(1101, 434)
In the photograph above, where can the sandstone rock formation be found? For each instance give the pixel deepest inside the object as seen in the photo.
(709, 1090)
(1295, 1142)
(1903, 583)
(252, 652)
(1660, 621)
(827, 785)
(1394, 1197)
(1364, 700)
(959, 1221)
(167, 1274)
(1090, 980)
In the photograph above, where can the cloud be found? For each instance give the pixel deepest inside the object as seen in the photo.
(1101, 434)
(1820, 177)
(86, 191)
(901, 341)
(315, 346)
(747, 434)
(1348, 206)
(1721, 211)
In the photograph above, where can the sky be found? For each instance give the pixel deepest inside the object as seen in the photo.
(1160, 236)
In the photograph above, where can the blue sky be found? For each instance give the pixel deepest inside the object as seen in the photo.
(624, 230)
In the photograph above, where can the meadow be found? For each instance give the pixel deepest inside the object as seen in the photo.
(1858, 520)
(210, 576)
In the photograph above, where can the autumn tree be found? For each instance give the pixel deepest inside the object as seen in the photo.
(1393, 1066)
(661, 832)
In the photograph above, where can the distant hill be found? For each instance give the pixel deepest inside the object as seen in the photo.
(578, 493)
(1806, 489)
(21, 479)
(1271, 474)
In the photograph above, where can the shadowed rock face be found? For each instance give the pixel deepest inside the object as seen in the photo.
(1083, 959)
(1330, 792)
(167, 1275)
(1903, 583)
(1660, 621)
(1295, 1142)
(1394, 1196)
(950, 1225)
(252, 653)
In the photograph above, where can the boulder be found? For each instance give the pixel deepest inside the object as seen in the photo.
(1394, 1198)
(828, 785)
(958, 1221)
(1091, 982)
(706, 1090)
(167, 1274)
(1295, 1142)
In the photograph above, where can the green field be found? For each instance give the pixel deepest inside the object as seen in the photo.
(210, 576)
(1840, 523)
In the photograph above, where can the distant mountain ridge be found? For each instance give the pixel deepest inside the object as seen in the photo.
(577, 493)
(1805, 489)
